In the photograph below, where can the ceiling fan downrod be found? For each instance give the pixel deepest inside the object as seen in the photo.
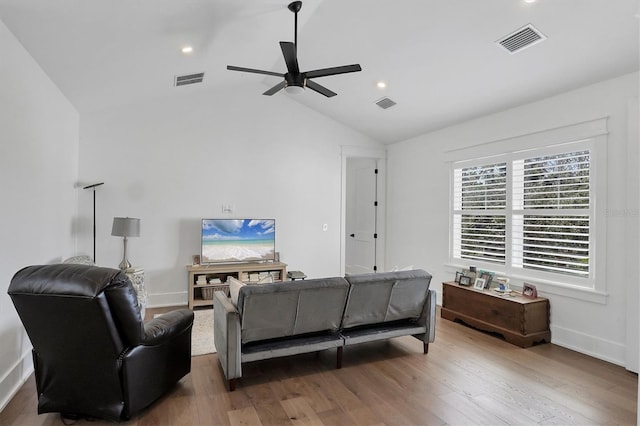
(295, 8)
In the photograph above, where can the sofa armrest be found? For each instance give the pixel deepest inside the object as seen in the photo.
(226, 335)
(428, 318)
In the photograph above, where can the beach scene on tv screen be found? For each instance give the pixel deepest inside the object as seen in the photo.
(237, 240)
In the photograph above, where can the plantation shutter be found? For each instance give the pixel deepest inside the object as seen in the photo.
(552, 213)
(479, 219)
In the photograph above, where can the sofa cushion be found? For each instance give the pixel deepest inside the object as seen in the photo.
(384, 297)
(291, 308)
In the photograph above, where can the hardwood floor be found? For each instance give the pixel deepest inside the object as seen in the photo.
(468, 378)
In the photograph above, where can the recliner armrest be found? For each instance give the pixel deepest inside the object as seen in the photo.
(164, 327)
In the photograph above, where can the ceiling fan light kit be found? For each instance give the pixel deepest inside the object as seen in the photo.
(294, 80)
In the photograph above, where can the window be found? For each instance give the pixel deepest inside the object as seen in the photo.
(551, 214)
(528, 213)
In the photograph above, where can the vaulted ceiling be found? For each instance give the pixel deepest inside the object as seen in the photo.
(439, 58)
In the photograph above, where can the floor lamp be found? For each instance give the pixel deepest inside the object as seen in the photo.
(94, 215)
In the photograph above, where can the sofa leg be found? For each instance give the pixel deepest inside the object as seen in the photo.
(232, 385)
(425, 347)
(339, 358)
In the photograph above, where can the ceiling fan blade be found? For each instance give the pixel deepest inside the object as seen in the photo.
(290, 57)
(320, 89)
(333, 71)
(275, 88)
(234, 68)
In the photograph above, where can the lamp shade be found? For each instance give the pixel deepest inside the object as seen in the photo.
(125, 227)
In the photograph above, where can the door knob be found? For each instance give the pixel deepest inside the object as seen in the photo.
(352, 235)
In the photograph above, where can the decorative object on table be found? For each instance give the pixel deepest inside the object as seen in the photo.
(502, 288)
(79, 260)
(296, 275)
(195, 259)
(487, 277)
(479, 284)
(458, 275)
(125, 227)
(471, 274)
(93, 187)
(502, 281)
(465, 280)
(529, 291)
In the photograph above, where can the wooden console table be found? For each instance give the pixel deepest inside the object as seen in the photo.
(519, 320)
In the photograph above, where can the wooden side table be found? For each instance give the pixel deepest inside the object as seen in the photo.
(521, 321)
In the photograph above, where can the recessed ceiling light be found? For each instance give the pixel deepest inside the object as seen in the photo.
(381, 85)
(530, 1)
(187, 50)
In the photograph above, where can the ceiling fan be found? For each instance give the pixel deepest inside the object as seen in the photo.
(294, 80)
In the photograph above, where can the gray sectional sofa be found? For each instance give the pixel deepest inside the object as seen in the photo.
(293, 317)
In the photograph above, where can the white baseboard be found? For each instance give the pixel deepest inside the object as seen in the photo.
(160, 300)
(15, 387)
(594, 346)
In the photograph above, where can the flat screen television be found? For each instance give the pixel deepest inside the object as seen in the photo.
(238, 240)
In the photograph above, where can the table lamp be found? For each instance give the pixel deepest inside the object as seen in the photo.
(125, 227)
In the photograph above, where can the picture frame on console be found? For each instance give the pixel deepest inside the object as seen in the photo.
(458, 275)
(529, 291)
(465, 280)
(487, 277)
(479, 283)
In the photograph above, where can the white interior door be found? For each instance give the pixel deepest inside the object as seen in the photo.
(361, 215)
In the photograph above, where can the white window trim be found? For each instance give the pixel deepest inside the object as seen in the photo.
(591, 134)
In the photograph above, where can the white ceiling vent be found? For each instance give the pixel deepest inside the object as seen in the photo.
(522, 38)
(182, 80)
(385, 103)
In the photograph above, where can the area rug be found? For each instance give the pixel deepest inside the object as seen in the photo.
(202, 333)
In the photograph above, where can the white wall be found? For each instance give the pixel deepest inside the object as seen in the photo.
(418, 206)
(38, 167)
(173, 163)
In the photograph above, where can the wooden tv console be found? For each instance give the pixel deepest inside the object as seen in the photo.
(202, 294)
(521, 321)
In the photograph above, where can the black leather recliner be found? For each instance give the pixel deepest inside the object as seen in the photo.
(93, 355)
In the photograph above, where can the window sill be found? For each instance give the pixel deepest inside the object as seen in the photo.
(546, 287)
